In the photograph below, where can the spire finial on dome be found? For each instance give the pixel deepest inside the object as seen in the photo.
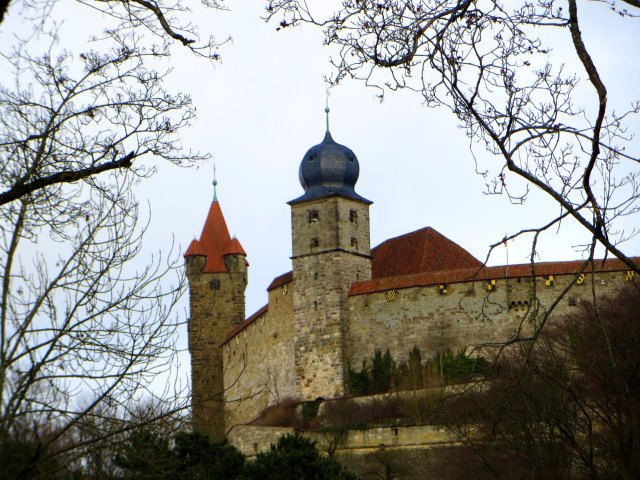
(215, 184)
(326, 107)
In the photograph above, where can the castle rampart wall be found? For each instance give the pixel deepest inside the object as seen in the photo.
(251, 440)
(459, 315)
(259, 361)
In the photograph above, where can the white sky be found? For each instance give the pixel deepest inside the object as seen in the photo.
(262, 108)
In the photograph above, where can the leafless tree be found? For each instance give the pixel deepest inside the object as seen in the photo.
(169, 21)
(569, 407)
(85, 323)
(492, 64)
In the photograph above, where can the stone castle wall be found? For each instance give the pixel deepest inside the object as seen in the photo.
(467, 314)
(258, 361)
(361, 442)
(216, 305)
(330, 252)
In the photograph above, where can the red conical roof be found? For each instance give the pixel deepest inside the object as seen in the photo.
(215, 242)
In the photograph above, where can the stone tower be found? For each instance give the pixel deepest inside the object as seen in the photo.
(331, 250)
(216, 269)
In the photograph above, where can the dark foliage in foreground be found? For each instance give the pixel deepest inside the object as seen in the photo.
(294, 457)
(566, 406)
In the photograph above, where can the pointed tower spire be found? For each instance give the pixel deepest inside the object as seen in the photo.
(215, 184)
(216, 269)
(215, 243)
(326, 107)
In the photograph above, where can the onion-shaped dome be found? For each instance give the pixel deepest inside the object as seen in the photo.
(329, 169)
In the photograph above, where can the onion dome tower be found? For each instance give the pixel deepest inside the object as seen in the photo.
(331, 250)
(329, 169)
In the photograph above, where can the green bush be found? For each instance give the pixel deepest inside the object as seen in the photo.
(386, 375)
(358, 382)
(383, 371)
(378, 379)
(147, 455)
(458, 367)
(309, 412)
(294, 457)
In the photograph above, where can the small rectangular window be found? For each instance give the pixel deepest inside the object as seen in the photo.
(215, 284)
(354, 242)
(314, 216)
(353, 216)
(315, 243)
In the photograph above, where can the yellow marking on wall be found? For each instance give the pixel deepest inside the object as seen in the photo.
(549, 281)
(629, 275)
(491, 285)
(391, 295)
(580, 279)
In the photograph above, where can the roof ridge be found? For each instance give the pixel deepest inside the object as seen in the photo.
(482, 273)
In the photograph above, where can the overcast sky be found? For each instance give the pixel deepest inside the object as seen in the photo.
(261, 109)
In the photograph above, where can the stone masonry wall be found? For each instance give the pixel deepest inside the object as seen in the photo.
(334, 226)
(258, 362)
(330, 251)
(251, 440)
(468, 314)
(214, 309)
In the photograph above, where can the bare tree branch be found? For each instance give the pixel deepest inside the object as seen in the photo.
(489, 64)
(86, 322)
(69, 176)
(163, 22)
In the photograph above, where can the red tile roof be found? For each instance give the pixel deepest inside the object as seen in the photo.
(215, 242)
(281, 280)
(234, 248)
(484, 273)
(426, 257)
(422, 251)
(242, 325)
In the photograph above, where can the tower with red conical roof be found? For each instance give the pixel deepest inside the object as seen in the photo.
(216, 270)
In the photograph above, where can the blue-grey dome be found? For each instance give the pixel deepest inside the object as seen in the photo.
(329, 169)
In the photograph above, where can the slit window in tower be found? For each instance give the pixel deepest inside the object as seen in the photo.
(314, 216)
(315, 242)
(353, 216)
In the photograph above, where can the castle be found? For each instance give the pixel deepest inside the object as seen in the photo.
(342, 299)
